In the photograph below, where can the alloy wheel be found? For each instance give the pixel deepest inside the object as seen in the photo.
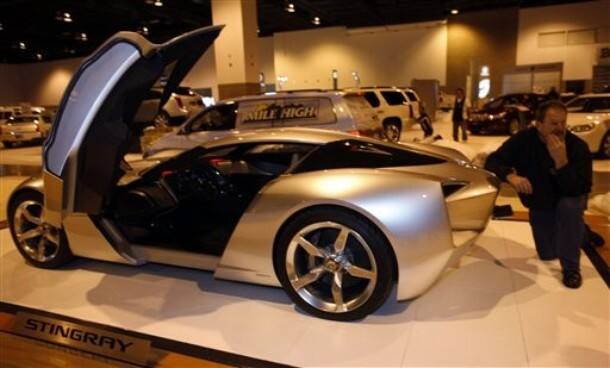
(331, 267)
(38, 239)
(392, 132)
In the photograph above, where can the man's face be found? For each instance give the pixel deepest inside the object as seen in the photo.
(459, 93)
(554, 122)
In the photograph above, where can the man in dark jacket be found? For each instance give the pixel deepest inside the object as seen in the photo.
(551, 170)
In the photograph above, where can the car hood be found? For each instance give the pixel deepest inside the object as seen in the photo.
(579, 118)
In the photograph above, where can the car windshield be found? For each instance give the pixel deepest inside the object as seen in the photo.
(494, 104)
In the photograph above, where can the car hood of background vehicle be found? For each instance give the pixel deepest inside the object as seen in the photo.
(579, 118)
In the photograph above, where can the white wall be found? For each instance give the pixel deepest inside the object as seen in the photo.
(577, 59)
(392, 55)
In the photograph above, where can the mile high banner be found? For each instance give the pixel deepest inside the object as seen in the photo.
(287, 111)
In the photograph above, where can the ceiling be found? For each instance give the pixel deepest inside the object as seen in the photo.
(40, 30)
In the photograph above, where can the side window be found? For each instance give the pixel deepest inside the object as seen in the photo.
(267, 159)
(412, 96)
(393, 98)
(578, 105)
(355, 154)
(256, 114)
(221, 117)
(372, 99)
(600, 105)
(305, 112)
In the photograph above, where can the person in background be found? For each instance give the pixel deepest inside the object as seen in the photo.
(461, 111)
(551, 170)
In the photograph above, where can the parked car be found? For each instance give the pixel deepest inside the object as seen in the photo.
(589, 119)
(181, 104)
(23, 129)
(445, 101)
(395, 109)
(336, 220)
(332, 110)
(506, 114)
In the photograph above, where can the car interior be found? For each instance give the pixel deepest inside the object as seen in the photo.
(194, 201)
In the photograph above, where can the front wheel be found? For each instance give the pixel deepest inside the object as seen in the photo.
(334, 265)
(392, 131)
(40, 243)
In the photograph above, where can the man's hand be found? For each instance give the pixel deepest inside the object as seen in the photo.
(557, 150)
(520, 183)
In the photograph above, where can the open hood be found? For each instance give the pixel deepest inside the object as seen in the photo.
(94, 124)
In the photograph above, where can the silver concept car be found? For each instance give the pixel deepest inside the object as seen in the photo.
(335, 220)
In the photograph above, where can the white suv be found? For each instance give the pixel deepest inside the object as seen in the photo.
(397, 108)
(334, 110)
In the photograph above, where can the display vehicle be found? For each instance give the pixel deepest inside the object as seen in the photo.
(507, 114)
(335, 220)
(19, 129)
(589, 119)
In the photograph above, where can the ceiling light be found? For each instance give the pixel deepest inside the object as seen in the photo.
(454, 11)
(316, 21)
(83, 36)
(144, 30)
(22, 46)
(1, 27)
(290, 8)
(67, 18)
(158, 3)
(39, 56)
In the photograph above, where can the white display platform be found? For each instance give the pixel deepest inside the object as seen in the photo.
(501, 307)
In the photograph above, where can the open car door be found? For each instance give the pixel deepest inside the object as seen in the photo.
(93, 129)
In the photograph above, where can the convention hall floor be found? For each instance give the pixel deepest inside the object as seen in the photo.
(500, 307)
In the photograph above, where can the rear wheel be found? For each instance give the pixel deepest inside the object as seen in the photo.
(40, 243)
(392, 131)
(604, 147)
(162, 119)
(334, 265)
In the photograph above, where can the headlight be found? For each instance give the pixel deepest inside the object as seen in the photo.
(497, 116)
(582, 127)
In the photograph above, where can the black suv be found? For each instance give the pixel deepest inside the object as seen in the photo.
(507, 114)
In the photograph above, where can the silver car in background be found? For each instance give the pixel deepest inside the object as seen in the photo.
(330, 110)
(23, 129)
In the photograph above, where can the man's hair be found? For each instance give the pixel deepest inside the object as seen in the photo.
(459, 89)
(544, 107)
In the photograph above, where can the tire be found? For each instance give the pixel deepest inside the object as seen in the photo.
(392, 131)
(45, 246)
(514, 126)
(8, 144)
(604, 145)
(162, 119)
(342, 282)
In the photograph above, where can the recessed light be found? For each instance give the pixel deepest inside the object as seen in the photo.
(22, 46)
(1, 27)
(144, 30)
(38, 56)
(67, 18)
(158, 3)
(290, 8)
(83, 36)
(454, 11)
(316, 21)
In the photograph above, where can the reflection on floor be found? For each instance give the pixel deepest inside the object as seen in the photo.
(500, 307)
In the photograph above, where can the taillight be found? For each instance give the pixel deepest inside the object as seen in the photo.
(179, 101)
(354, 132)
